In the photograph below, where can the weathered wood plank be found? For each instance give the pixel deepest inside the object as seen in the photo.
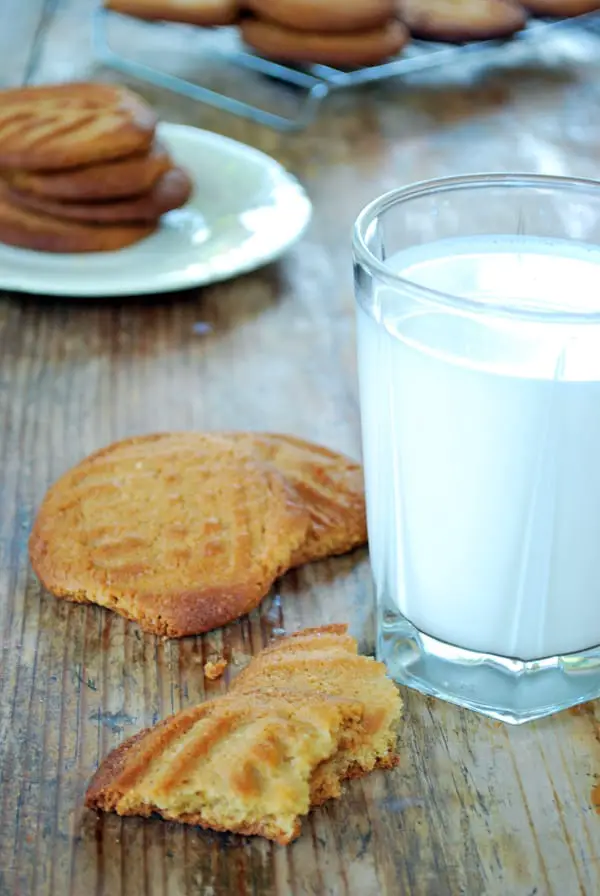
(475, 808)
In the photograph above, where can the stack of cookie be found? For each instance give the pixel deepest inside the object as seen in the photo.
(338, 33)
(81, 169)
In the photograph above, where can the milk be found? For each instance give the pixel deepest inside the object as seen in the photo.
(481, 439)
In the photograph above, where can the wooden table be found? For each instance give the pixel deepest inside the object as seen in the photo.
(476, 807)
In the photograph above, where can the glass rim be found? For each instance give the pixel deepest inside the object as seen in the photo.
(367, 260)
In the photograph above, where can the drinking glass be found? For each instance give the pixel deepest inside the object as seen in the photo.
(478, 329)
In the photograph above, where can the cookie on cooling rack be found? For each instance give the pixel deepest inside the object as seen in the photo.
(344, 50)
(461, 21)
(561, 9)
(206, 13)
(332, 16)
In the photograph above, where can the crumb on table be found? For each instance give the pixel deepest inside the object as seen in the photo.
(214, 670)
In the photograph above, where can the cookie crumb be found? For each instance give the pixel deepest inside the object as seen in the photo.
(213, 671)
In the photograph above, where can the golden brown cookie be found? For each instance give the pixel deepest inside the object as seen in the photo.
(32, 230)
(256, 760)
(181, 532)
(172, 190)
(64, 125)
(325, 661)
(243, 766)
(329, 485)
(120, 179)
(206, 13)
(344, 50)
(460, 21)
(561, 9)
(319, 16)
(232, 512)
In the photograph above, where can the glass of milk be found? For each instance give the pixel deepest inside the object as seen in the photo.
(478, 327)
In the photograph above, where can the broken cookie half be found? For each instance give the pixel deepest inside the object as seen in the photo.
(259, 758)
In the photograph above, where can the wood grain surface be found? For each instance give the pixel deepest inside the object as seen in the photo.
(475, 807)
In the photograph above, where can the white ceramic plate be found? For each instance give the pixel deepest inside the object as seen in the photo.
(246, 210)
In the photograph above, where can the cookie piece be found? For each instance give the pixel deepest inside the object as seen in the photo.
(32, 230)
(206, 13)
(255, 760)
(325, 15)
(333, 635)
(172, 190)
(121, 179)
(231, 765)
(213, 670)
(461, 21)
(65, 125)
(325, 661)
(561, 9)
(181, 532)
(344, 50)
(329, 485)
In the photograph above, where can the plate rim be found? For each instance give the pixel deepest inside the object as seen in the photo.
(41, 286)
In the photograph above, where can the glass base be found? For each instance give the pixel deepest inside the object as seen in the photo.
(506, 689)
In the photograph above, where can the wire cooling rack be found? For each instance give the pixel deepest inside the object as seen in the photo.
(314, 82)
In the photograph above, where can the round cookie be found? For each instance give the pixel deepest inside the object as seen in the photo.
(205, 13)
(330, 486)
(65, 125)
(171, 191)
(460, 21)
(325, 15)
(562, 9)
(344, 50)
(43, 233)
(121, 179)
(181, 532)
